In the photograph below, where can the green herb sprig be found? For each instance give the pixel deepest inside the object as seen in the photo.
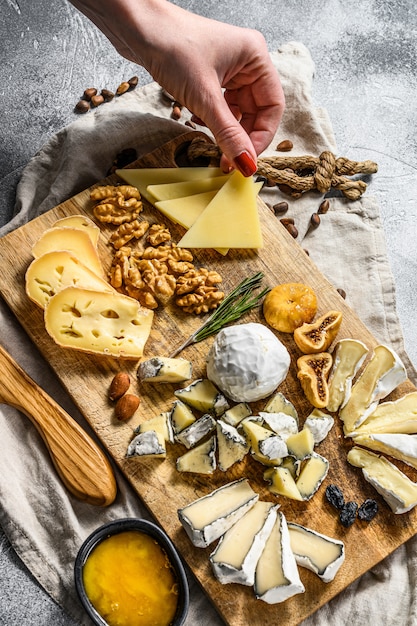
(239, 301)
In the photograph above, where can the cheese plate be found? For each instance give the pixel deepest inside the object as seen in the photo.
(157, 482)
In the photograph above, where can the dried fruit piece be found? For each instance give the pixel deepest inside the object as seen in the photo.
(335, 496)
(313, 371)
(289, 305)
(367, 510)
(317, 337)
(119, 385)
(348, 514)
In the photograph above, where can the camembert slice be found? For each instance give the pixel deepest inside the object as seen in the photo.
(161, 424)
(301, 445)
(320, 425)
(280, 404)
(199, 460)
(235, 558)
(264, 442)
(276, 576)
(348, 357)
(398, 491)
(237, 413)
(231, 445)
(80, 221)
(281, 483)
(282, 424)
(162, 369)
(399, 416)
(400, 446)
(311, 476)
(316, 552)
(195, 432)
(209, 517)
(181, 416)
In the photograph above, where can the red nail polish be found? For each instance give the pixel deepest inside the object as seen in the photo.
(245, 164)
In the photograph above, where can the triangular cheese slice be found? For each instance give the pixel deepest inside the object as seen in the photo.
(231, 219)
(170, 191)
(142, 178)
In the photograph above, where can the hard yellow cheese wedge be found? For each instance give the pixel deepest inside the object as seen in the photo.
(231, 219)
(97, 322)
(171, 191)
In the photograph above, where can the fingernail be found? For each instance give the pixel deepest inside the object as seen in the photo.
(245, 164)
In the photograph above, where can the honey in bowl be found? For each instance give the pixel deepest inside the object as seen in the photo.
(128, 578)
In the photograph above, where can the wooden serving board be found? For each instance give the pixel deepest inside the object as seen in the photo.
(157, 482)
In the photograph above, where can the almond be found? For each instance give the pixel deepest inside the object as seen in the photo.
(119, 385)
(126, 407)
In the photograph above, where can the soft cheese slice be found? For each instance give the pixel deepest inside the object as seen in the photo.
(196, 431)
(301, 445)
(202, 395)
(199, 460)
(399, 416)
(231, 219)
(235, 558)
(209, 517)
(280, 404)
(232, 446)
(400, 446)
(97, 322)
(142, 178)
(276, 576)
(321, 554)
(172, 191)
(281, 423)
(237, 413)
(348, 357)
(281, 483)
(264, 442)
(162, 369)
(147, 444)
(54, 271)
(80, 221)
(382, 374)
(161, 424)
(74, 240)
(312, 474)
(320, 425)
(181, 416)
(398, 491)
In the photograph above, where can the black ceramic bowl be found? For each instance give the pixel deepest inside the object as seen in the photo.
(118, 526)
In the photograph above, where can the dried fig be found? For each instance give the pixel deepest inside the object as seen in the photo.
(313, 371)
(317, 336)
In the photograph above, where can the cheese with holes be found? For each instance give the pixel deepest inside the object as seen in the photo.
(320, 425)
(74, 240)
(230, 220)
(171, 191)
(181, 416)
(110, 324)
(162, 369)
(203, 396)
(237, 413)
(381, 375)
(235, 558)
(231, 445)
(301, 445)
(80, 221)
(209, 517)
(196, 431)
(348, 357)
(311, 476)
(398, 491)
(276, 575)
(321, 554)
(400, 446)
(142, 178)
(147, 444)
(53, 271)
(199, 460)
(281, 483)
(161, 424)
(399, 416)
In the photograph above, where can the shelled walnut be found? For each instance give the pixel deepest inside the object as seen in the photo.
(128, 231)
(116, 204)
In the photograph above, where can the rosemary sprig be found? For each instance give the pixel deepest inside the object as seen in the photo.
(239, 301)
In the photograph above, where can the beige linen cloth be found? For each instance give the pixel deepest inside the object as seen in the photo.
(44, 523)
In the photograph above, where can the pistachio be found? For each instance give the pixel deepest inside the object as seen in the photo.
(284, 146)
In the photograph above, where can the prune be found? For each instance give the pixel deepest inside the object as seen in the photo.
(334, 495)
(348, 514)
(367, 510)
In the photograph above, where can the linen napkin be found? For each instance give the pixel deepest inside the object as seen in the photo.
(44, 523)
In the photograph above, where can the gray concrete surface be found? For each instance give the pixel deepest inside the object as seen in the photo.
(365, 54)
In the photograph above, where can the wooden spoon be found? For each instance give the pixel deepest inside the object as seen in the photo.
(82, 466)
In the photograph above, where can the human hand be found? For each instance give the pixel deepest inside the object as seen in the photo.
(222, 73)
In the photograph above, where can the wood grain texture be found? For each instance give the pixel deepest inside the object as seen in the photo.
(162, 489)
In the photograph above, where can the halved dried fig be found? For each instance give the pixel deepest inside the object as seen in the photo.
(313, 372)
(317, 336)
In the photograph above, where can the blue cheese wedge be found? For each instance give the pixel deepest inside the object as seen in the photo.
(398, 491)
(276, 575)
(209, 517)
(235, 558)
(181, 416)
(281, 483)
(196, 431)
(237, 413)
(311, 476)
(316, 552)
(348, 358)
(147, 444)
(161, 424)
(282, 424)
(301, 445)
(400, 446)
(399, 416)
(199, 460)
(280, 404)
(263, 442)
(161, 369)
(381, 375)
(231, 445)
(202, 395)
(320, 425)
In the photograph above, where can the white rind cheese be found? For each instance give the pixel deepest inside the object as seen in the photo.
(398, 491)
(316, 552)
(348, 357)
(232, 446)
(203, 396)
(161, 369)
(235, 558)
(276, 576)
(399, 416)
(281, 423)
(301, 445)
(280, 404)
(311, 476)
(199, 460)
(209, 517)
(196, 431)
(181, 416)
(399, 446)
(237, 413)
(161, 424)
(264, 443)
(320, 425)
(247, 362)
(281, 483)
(147, 444)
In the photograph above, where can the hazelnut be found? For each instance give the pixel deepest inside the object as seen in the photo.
(89, 93)
(82, 106)
(97, 100)
(107, 95)
(122, 88)
(133, 81)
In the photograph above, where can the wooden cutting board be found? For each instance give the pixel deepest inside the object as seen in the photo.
(156, 482)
